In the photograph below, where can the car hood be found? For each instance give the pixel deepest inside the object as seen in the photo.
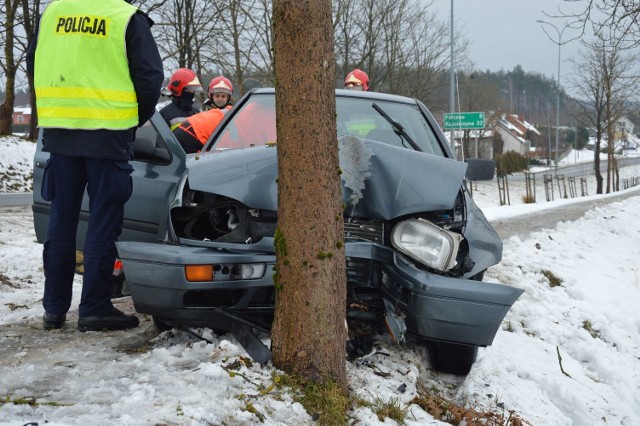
(379, 181)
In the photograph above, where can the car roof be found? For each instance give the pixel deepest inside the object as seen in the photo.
(353, 94)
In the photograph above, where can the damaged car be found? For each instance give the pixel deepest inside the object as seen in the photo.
(197, 242)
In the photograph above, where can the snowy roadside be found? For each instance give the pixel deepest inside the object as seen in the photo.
(16, 164)
(566, 354)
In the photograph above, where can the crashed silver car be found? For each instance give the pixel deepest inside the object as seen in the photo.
(197, 245)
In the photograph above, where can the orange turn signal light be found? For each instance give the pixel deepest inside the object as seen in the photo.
(198, 272)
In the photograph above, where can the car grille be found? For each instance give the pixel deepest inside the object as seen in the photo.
(364, 229)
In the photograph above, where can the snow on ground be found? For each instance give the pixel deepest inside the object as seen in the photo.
(566, 355)
(16, 164)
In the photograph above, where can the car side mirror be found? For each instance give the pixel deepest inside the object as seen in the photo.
(478, 169)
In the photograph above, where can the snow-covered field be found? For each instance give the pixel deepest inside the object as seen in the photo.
(567, 354)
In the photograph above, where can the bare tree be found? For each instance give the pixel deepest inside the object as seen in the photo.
(309, 333)
(183, 29)
(31, 12)
(605, 84)
(8, 61)
(244, 52)
(621, 16)
(347, 36)
(401, 45)
(426, 58)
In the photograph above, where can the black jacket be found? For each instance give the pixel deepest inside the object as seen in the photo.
(147, 75)
(180, 108)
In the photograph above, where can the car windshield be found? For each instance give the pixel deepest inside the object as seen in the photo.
(394, 123)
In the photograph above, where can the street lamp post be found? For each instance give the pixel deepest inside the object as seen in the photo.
(559, 43)
(452, 102)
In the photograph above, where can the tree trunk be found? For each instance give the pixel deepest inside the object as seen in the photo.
(6, 108)
(31, 16)
(9, 66)
(616, 175)
(596, 164)
(309, 329)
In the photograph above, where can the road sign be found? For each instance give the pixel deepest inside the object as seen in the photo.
(463, 120)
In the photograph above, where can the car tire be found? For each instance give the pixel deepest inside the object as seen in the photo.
(451, 358)
(160, 325)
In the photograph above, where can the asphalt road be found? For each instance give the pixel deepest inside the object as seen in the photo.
(15, 199)
(582, 169)
(547, 219)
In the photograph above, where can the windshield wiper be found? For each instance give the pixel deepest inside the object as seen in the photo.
(397, 127)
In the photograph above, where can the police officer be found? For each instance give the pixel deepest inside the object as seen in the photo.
(97, 76)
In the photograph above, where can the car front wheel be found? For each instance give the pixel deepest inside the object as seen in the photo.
(451, 358)
(160, 324)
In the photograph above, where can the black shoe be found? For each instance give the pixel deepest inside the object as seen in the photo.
(115, 321)
(51, 321)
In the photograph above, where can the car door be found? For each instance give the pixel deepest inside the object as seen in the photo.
(159, 165)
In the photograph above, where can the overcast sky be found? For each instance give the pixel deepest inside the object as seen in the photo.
(504, 33)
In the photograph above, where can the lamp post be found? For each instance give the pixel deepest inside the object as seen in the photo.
(559, 43)
(452, 102)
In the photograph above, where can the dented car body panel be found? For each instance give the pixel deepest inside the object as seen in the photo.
(400, 185)
(379, 181)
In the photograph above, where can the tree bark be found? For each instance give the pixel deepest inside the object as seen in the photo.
(309, 329)
(9, 66)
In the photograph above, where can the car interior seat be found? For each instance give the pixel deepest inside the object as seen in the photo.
(385, 135)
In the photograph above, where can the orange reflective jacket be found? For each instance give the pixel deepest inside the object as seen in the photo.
(201, 125)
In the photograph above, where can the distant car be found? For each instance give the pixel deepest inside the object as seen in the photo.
(197, 244)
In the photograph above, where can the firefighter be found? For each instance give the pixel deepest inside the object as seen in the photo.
(182, 87)
(112, 76)
(220, 90)
(194, 132)
(357, 80)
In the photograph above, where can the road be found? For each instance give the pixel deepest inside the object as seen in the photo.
(547, 219)
(583, 169)
(15, 199)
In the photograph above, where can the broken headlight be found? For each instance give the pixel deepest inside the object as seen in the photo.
(426, 243)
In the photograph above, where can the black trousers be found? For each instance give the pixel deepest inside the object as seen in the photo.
(108, 184)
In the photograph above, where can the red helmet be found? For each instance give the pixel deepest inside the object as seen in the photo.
(220, 84)
(184, 80)
(357, 78)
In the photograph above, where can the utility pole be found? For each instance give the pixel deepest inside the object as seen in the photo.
(559, 43)
(452, 102)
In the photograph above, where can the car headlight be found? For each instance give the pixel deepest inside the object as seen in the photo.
(426, 243)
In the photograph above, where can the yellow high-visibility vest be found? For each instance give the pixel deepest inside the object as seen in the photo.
(81, 77)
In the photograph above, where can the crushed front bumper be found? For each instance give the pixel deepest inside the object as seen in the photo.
(442, 308)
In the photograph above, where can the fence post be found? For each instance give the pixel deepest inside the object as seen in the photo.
(572, 187)
(503, 189)
(548, 186)
(583, 186)
(530, 186)
(563, 187)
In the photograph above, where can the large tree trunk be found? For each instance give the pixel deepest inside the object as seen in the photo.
(309, 330)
